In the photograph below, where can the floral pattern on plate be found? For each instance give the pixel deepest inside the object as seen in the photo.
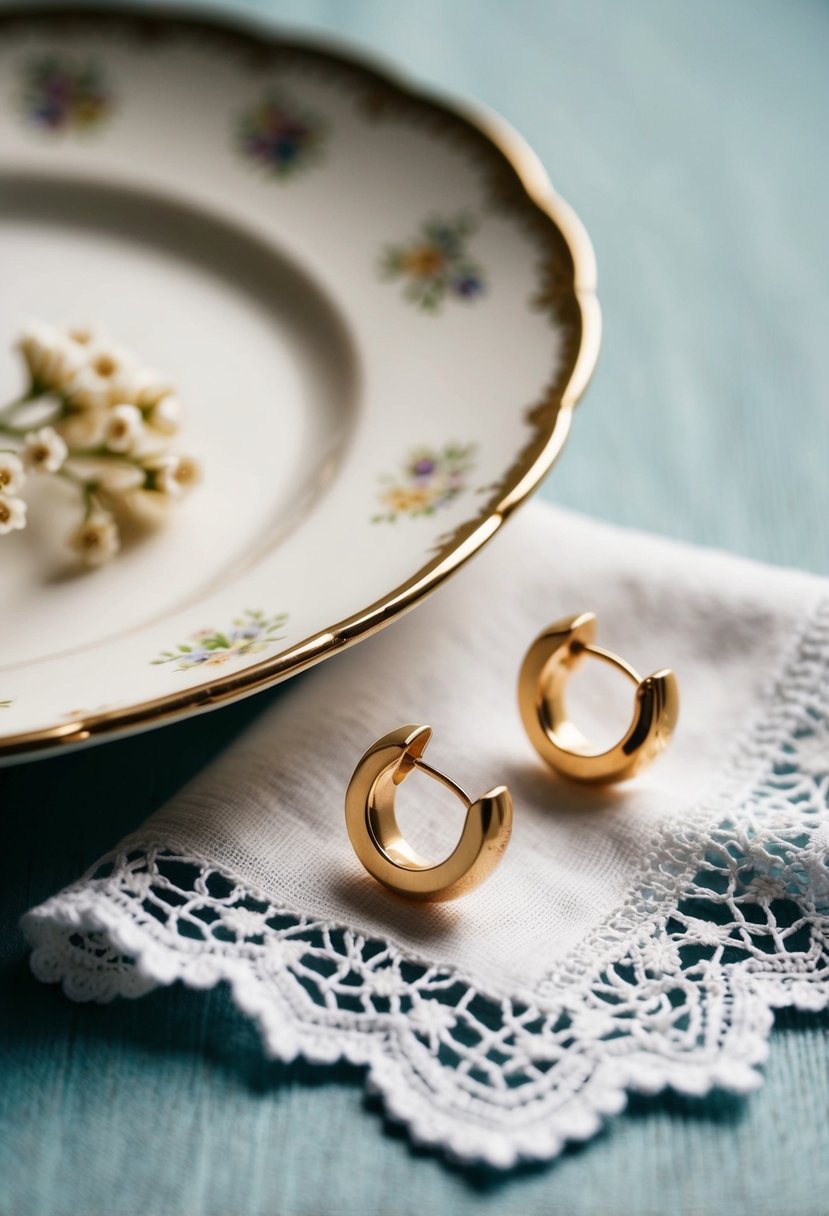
(250, 632)
(59, 95)
(436, 265)
(429, 479)
(309, 146)
(280, 137)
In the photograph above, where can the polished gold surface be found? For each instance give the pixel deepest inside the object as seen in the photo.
(382, 848)
(517, 185)
(550, 661)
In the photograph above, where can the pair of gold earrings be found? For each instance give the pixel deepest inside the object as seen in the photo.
(547, 666)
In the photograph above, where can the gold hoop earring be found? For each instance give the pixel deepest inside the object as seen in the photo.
(548, 665)
(381, 846)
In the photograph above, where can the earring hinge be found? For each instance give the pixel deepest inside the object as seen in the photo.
(443, 780)
(607, 656)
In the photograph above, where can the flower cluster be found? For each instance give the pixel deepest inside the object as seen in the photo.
(92, 416)
(60, 96)
(280, 137)
(429, 480)
(436, 264)
(251, 632)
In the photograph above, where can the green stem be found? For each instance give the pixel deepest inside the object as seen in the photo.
(97, 453)
(6, 428)
(87, 489)
(102, 453)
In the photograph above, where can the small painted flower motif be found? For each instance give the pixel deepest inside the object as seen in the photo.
(280, 137)
(429, 479)
(251, 632)
(436, 266)
(61, 96)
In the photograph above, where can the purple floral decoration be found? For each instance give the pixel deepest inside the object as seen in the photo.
(251, 632)
(280, 137)
(429, 480)
(436, 266)
(61, 96)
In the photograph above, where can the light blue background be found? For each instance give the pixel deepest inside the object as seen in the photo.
(692, 140)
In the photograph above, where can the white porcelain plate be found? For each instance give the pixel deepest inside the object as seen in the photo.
(376, 310)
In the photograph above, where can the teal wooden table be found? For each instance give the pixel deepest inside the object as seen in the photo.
(691, 139)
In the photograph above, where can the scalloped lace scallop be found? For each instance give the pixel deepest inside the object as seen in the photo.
(726, 923)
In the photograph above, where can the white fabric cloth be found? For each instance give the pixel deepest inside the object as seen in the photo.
(632, 937)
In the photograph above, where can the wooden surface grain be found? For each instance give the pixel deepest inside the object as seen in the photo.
(691, 140)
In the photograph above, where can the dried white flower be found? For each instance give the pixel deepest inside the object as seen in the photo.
(165, 414)
(110, 363)
(87, 391)
(145, 387)
(52, 358)
(97, 539)
(12, 473)
(103, 407)
(103, 379)
(173, 476)
(12, 513)
(44, 451)
(83, 335)
(83, 428)
(123, 428)
(155, 398)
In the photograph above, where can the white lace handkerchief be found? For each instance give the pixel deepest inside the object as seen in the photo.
(632, 938)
